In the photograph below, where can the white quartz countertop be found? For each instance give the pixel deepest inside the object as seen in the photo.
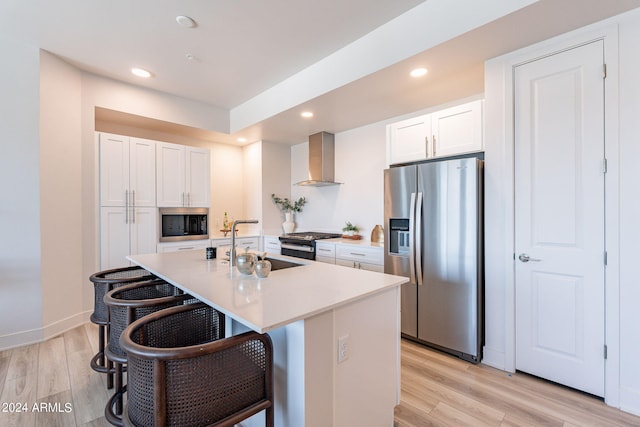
(286, 296)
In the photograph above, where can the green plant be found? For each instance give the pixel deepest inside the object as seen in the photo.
(287, 206)
(350, 227)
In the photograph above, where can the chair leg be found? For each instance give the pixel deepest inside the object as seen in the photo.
(269, 416)
(119, 386)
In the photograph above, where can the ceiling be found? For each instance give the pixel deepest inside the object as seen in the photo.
(243, 51)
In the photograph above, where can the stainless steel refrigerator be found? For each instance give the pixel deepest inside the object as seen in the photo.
(433, 235)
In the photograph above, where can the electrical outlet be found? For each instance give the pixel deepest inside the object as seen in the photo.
(343, 348)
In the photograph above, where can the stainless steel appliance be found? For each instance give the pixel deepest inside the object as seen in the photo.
(433, 235)
(303, 245)
(178, 224)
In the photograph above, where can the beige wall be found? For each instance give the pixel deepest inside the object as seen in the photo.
(60, 190)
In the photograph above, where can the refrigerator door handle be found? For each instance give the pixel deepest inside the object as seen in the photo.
(412, 246)
(418, 239)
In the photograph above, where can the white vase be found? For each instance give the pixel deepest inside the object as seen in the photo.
(288, 225)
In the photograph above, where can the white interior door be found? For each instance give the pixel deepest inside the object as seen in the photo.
(559, 208)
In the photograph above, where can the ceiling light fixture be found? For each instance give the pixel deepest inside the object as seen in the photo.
(306, 114)
(418, 72)
(185, 21)
(241, 139)
(140, 72)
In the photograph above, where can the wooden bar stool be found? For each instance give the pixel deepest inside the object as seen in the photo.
(125, 305)
(182, 372)
(103, 282)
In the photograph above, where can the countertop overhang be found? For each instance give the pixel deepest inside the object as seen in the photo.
(286, 296)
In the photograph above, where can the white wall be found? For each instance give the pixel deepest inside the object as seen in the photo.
(359, 164)
(276, 178)
(629, 38)
(20, 254)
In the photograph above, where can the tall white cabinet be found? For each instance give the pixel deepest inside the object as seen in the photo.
(128, 217)
(183, 176)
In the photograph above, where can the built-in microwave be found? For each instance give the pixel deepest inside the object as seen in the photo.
(178, 224)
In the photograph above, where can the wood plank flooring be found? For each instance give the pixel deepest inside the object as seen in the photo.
(440, 390)
(51, 384)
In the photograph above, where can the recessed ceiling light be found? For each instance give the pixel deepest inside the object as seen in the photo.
(141, 72)
(306, 114)
(185, 21)
(418, 72)
(241, 139)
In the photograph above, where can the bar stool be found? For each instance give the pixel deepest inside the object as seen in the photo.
(103, 282)
(125, 305)
(181, 372)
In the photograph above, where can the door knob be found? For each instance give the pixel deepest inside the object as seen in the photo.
(526, 258)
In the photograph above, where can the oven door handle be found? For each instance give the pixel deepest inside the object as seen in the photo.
(297, 247)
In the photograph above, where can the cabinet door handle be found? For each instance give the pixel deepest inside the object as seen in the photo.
(133, 206)
(126, 206)
(186, 249)
(426, 145)
(357, 254)
(433, 146)
(324, 250)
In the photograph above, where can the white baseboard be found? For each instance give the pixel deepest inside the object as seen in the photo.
(494, 358)
(630, 400)
(33, 336)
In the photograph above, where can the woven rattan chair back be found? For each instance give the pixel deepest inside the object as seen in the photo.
(181, 372)
(106, 280)
(103, 282)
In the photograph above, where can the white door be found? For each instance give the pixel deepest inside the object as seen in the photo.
(142, 170)
(114, 237)
(408, 139)
(114, 170)
(559, 208)
(457, 130)
(170, 175)
(144, 231)
(197, 177)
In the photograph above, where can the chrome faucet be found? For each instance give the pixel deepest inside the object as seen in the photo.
(232, 251)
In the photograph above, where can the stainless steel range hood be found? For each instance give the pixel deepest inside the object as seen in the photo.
(321, 160)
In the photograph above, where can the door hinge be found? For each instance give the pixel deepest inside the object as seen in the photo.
(605, 166)
(604, 71)
(605, 258)
(605, 351)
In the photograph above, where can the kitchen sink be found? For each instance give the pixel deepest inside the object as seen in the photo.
(279, 264)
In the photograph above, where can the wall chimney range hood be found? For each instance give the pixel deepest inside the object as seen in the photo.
(321, 160)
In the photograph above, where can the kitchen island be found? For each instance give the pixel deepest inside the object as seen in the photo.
(335, 333)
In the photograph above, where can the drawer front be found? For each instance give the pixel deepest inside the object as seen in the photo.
(360, 253)
(252, 242)
(325, 250)
(328, 260)
(272, 245)
(216, 243)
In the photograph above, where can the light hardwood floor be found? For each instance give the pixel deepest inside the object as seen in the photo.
(52, 385)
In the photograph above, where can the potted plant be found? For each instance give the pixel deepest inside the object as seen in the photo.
(350, 229)
(288, 207)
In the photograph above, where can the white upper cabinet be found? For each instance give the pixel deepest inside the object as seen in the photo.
(452, 131)
(409, 139)
(183, 175)
(127, 171)
(457, 130)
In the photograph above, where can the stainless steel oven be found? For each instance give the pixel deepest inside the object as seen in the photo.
(303, 245)
(177, 224)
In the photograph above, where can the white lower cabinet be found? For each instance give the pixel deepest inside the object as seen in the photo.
(126, 231)
(360, 256)
(271, 244)
(183, 246)
(326, 252)
(360, 265)
(252, 242)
